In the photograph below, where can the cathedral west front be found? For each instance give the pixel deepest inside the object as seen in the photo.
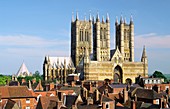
(91, 55)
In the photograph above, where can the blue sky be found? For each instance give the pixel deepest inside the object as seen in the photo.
(31, 29)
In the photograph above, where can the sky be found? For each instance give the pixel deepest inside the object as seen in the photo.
(32, 29)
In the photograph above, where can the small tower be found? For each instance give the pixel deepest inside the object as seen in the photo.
(144, 56)
(144, 59)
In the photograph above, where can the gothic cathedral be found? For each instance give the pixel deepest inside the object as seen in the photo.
(92, 56)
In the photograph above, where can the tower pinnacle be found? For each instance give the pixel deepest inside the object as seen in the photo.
(116, 22)
(77, 16)
(144, 52)
(131, 19)
(107, 17)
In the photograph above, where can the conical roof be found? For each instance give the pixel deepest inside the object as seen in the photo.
(23, 71)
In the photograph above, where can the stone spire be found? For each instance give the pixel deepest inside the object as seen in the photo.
(77, 16)
(144, 53)
(72, 19)
(97, 18)
(131, 19)
(107, 18)
(93, 20)
(144, 56)
(116, 22)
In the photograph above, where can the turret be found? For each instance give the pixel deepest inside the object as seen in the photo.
(144, 56)
(132, 38)
(122, 35)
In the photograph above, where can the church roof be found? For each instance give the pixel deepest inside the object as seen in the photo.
(23, 71)
(58, 62)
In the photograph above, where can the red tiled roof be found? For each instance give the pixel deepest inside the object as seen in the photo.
(15, 92)
(45, 101)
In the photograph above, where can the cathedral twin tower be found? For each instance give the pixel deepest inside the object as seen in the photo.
(93, 36)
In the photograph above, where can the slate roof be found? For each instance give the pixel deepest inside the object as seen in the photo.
(146, 94)
(106, 99)
(77, 90)
(10, 104)
(44, 102)
(70, 100)
(15, 92)
(118, 85)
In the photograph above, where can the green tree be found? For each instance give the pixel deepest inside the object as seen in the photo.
(4, 79)
(158, 74)
(37, 76)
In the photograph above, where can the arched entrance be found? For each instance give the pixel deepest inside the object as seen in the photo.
(117, 77)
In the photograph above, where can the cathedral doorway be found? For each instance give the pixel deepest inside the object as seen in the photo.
(117, 77)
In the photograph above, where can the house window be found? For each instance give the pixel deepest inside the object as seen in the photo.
(166, 87)
(158, 81)
(157, 101)
(107, 106)
(27, 100)
(27, 107)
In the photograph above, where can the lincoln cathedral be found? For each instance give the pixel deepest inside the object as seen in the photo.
(91, 55)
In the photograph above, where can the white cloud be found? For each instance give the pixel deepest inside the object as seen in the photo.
(152, 40)
(25, 45)
(29, 41)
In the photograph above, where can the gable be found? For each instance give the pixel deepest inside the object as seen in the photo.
(117, 56)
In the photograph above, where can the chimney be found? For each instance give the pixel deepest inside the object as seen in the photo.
(89, 101)
(136, 99)
(72, 84)
(133, 104)
(51, 86)
(159, 89)
(125, 95)
(97, 95)
(33, 80)
(23, 81)
(29, 85)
